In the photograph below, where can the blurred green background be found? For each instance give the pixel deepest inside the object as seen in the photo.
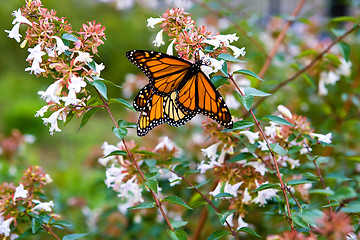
(70, 157)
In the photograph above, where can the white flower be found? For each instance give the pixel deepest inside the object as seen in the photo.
(224, 40)
(53, 120)
(19, 18)
(170, 48)
(237, 51)
(246, 196)
(251, 136)
(263, 145)
(29, 138)
(98, 69)
(36, 53)
(107, 149)
(76, 83)
(71, 99)
(13, 236)
(230, 220)
(232, 189)
(203, 167)
(20, 192)
(159, 39)
(284, 111)
(293, 163)
(322, 90)
(83, 57)
(210, 151)
(264, 195)
(5, 226)
(48, 179)
(241, 223)
(46, 206)
(323, 138)
(35, 68)
(60, 46)
(124, 4)
(165, 142)
(52, 93)
(14, 32)
(151, 22)
(216, 191)
(259, 167)
(42, 110)
(271, 130)
(344, 68)
(114, 177)
(174, 179)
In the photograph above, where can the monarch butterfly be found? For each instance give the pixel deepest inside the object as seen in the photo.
(179, 83)
(156, 110)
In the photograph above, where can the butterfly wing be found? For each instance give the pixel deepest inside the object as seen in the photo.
(174, 115)
(142, 97)
(200, 95)
(165, 72)
(156, 110)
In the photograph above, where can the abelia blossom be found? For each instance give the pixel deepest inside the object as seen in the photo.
(58, 115)
(323, 138)
(5, 226)
(264, 195)
(14, 32)
(251, 136)
(154, 21)
(20, 192)
(19, 18)
(76, 83)
(159, 39)
(60, 46)
(52, 93)
(45, 206)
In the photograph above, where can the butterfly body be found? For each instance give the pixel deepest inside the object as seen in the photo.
(176, 92)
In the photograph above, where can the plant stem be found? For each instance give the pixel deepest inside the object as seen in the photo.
(304, 69)
(283, 187)
(50, 231)
(280, 38)
(131, 156)
(207, 200)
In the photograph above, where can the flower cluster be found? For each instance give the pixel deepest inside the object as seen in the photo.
(122, 176)
(65, 55)
(241, 163)
(17, 203)
(190, 40)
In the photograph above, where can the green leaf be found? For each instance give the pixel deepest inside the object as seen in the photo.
(337, 32)
(69, 37)
(143, 206)
(228, 57)
(74, 236)
(224, 215)
(249, 231)
(267, 186)
(343, 193)
(298, 182)
(200, 184)
(249, 91)
(177, 235)
(338, 177)
(247, 72)
(62, 223)
(144, 152)
(120, 132)
(246, 101)
(87, 116)
(218, 80)
(333, 204)
(224, 69)
(306, 53)
(278, 149)
(176, 200)
(218, 234)
(345, 50)
(123, 123)
(152, 184)
(177, 224)
(36, 223)
(277, 120)
(327, 191)
(333, 58)
(151, 175)
(241, 156)
(352, 207)
(309, 80)
(239, 125)
(125, 103)
(300, 222)
(117, 152)
(224, 194)
(345, 19)
(101, 87)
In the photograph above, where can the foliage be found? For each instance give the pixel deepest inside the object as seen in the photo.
(286, 170)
